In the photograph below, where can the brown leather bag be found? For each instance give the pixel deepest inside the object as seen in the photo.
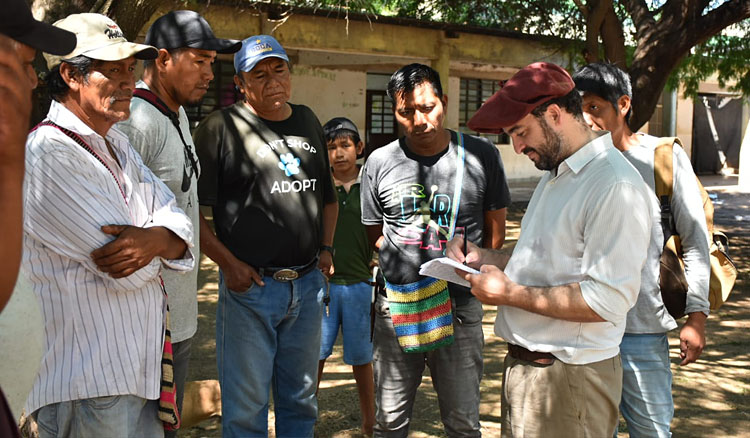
(672, 281)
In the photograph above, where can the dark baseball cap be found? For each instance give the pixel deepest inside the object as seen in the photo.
(339, 124)
(530, 87)
(180, 29)
(17, 22)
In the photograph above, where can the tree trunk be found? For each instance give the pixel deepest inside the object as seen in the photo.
(50, 11)
(661, 45)
(595, 12)
(130, 15)
(613, 38)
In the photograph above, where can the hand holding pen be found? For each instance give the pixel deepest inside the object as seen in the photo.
(462, 251)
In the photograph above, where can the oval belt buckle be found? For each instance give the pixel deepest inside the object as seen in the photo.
(285, 275)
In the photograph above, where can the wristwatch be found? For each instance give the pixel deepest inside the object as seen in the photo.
(330, 249)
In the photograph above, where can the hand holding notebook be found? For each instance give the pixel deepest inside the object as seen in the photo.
(445, 269)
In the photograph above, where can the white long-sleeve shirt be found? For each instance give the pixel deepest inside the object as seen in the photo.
(103, 336)
(589, 224)
(649, 314)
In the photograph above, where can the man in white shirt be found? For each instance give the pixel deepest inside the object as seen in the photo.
(98, 228)
(575, 272)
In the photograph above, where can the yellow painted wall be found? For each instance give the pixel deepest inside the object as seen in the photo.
(331, 34)
(454, 85)
(685, 122)
(342, 91)
(331, 93)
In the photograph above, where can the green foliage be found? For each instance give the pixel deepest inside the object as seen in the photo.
(546, 17)
(727, 56)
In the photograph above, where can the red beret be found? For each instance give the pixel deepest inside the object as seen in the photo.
(530, 87)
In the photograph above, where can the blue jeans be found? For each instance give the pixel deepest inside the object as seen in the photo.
(647, 385)
(112, 416)
(268, 338)
(349, 310)
(456, 372)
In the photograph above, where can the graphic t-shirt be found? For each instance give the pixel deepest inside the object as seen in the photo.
(412, 196)
(267, 182)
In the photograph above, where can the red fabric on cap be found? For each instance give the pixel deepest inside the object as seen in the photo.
(528, 88)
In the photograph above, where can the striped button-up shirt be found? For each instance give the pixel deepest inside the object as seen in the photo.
(103, 336)
(588, 224)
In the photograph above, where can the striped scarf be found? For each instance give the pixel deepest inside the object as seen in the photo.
(168, 412)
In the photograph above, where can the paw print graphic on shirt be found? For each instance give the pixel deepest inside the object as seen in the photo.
(289, 164)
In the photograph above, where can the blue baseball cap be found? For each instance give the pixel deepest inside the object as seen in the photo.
(255, 49)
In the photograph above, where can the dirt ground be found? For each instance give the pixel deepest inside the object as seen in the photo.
(712, 396)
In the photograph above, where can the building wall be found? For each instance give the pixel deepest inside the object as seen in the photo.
(685, 122)
(331, 58)
(330, 93)
(518, 167)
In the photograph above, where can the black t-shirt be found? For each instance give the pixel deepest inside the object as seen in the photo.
(412, 196)
(267, 186)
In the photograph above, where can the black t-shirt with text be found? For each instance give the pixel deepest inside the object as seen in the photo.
(267, 182)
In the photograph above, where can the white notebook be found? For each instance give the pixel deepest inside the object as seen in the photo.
(444, 269)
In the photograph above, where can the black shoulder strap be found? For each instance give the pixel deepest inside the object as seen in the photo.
(159, 104)
(154, 100)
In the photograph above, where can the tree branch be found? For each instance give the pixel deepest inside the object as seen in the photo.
(613, 38)
(97, 6)
(669, 41)
(713, 22)
(643, 19)
(597, 12)
(582, 7)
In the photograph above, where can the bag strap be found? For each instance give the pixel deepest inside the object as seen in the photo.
(159, 104)
(460, 162)
(664, 182)
(663, 168)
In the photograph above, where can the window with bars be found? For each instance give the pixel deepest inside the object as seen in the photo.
(381, 120)
(472, 94)
(221, 93)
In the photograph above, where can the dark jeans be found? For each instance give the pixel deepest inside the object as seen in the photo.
(456, 372)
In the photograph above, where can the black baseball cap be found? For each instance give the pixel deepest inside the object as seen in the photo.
(17, 22)
(339, 124)
(179, 29)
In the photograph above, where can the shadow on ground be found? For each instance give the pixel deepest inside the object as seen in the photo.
(711, 396)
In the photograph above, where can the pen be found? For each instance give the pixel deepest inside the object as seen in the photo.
(465, 240)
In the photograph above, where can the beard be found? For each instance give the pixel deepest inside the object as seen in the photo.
(550, 153)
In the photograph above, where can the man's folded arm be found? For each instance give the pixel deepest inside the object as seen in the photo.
(65, 207)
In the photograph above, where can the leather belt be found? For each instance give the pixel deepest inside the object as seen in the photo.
(537, 357)
(288, 274)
